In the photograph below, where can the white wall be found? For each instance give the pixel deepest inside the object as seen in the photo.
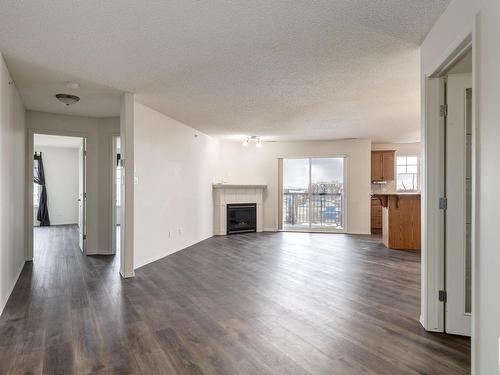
(175, 167)
(401, 149)
(457, 21)
(12, 188)
(251, 165)
(61, 180)
(99, 133)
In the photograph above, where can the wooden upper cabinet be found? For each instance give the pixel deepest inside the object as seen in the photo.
(383, 165)
(388, 165)
(376, 166)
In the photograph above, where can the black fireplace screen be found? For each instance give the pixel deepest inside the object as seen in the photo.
(241, 218)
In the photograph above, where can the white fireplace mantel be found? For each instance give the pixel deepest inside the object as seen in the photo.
(225, 194)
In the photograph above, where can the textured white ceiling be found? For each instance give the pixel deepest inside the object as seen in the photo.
(279, 69)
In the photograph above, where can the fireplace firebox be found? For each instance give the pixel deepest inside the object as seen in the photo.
(241, 218)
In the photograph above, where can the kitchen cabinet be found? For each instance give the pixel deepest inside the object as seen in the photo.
(383, 165)
(400, 220)
(376, 215)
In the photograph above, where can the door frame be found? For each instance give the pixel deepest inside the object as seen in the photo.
(432, 255)
(82, 242)
(345, 199)
(455, 215)
(29, 180)
(113, 194)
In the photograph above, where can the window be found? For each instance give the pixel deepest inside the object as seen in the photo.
(407, 173)
(36, 194)
(313, 194)
(118, 186)
(36, 188)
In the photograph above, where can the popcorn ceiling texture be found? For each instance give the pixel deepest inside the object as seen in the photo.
(281, 69)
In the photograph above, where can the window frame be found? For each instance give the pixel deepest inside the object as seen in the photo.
(417, 174)
(345, 194)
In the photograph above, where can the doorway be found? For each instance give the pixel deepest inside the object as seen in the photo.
(313, 194)
(59, 192)
(448, 260)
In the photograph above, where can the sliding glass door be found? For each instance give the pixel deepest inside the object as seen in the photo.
(313, 194)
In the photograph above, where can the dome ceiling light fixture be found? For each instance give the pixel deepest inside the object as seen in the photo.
(254, 139)
(67, 99)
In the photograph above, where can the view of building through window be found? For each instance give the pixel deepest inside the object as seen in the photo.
(313, 193)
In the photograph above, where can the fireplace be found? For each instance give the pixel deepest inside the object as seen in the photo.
(241, 218)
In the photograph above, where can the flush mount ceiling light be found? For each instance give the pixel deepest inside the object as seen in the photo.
(67, 99)
(254, 139)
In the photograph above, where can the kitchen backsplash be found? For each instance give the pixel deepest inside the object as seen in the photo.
(384, 188)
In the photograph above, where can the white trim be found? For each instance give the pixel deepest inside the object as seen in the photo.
(128, 274)
(113, 194)
(432, 218)
(127, 118)
(453, 53)
(11, 288)
(406, 155)
(475, 200)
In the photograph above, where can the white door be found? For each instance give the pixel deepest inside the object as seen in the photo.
(82, 197)
(459, 203)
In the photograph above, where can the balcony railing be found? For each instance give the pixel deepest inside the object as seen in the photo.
(320, 209)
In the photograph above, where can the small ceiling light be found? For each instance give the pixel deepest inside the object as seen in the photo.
(254, 139)
(67, 99)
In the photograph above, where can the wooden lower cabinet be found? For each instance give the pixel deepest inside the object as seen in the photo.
(376, 216)
(401, 222)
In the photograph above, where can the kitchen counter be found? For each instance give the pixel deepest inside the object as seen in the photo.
(400, 220)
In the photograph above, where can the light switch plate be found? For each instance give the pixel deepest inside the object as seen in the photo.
(136, 180)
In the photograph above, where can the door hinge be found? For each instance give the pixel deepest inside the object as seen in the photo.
(443, 110)
(443, 296)
(443, 203)
(84, 236)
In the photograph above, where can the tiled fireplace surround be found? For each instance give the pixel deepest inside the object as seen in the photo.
(228, 194)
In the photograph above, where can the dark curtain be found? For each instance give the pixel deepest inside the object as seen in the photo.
(39, 178)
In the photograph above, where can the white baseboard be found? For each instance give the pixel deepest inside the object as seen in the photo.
(127, 275)
(11, 288)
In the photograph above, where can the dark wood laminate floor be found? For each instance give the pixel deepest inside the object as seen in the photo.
(270, 303)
